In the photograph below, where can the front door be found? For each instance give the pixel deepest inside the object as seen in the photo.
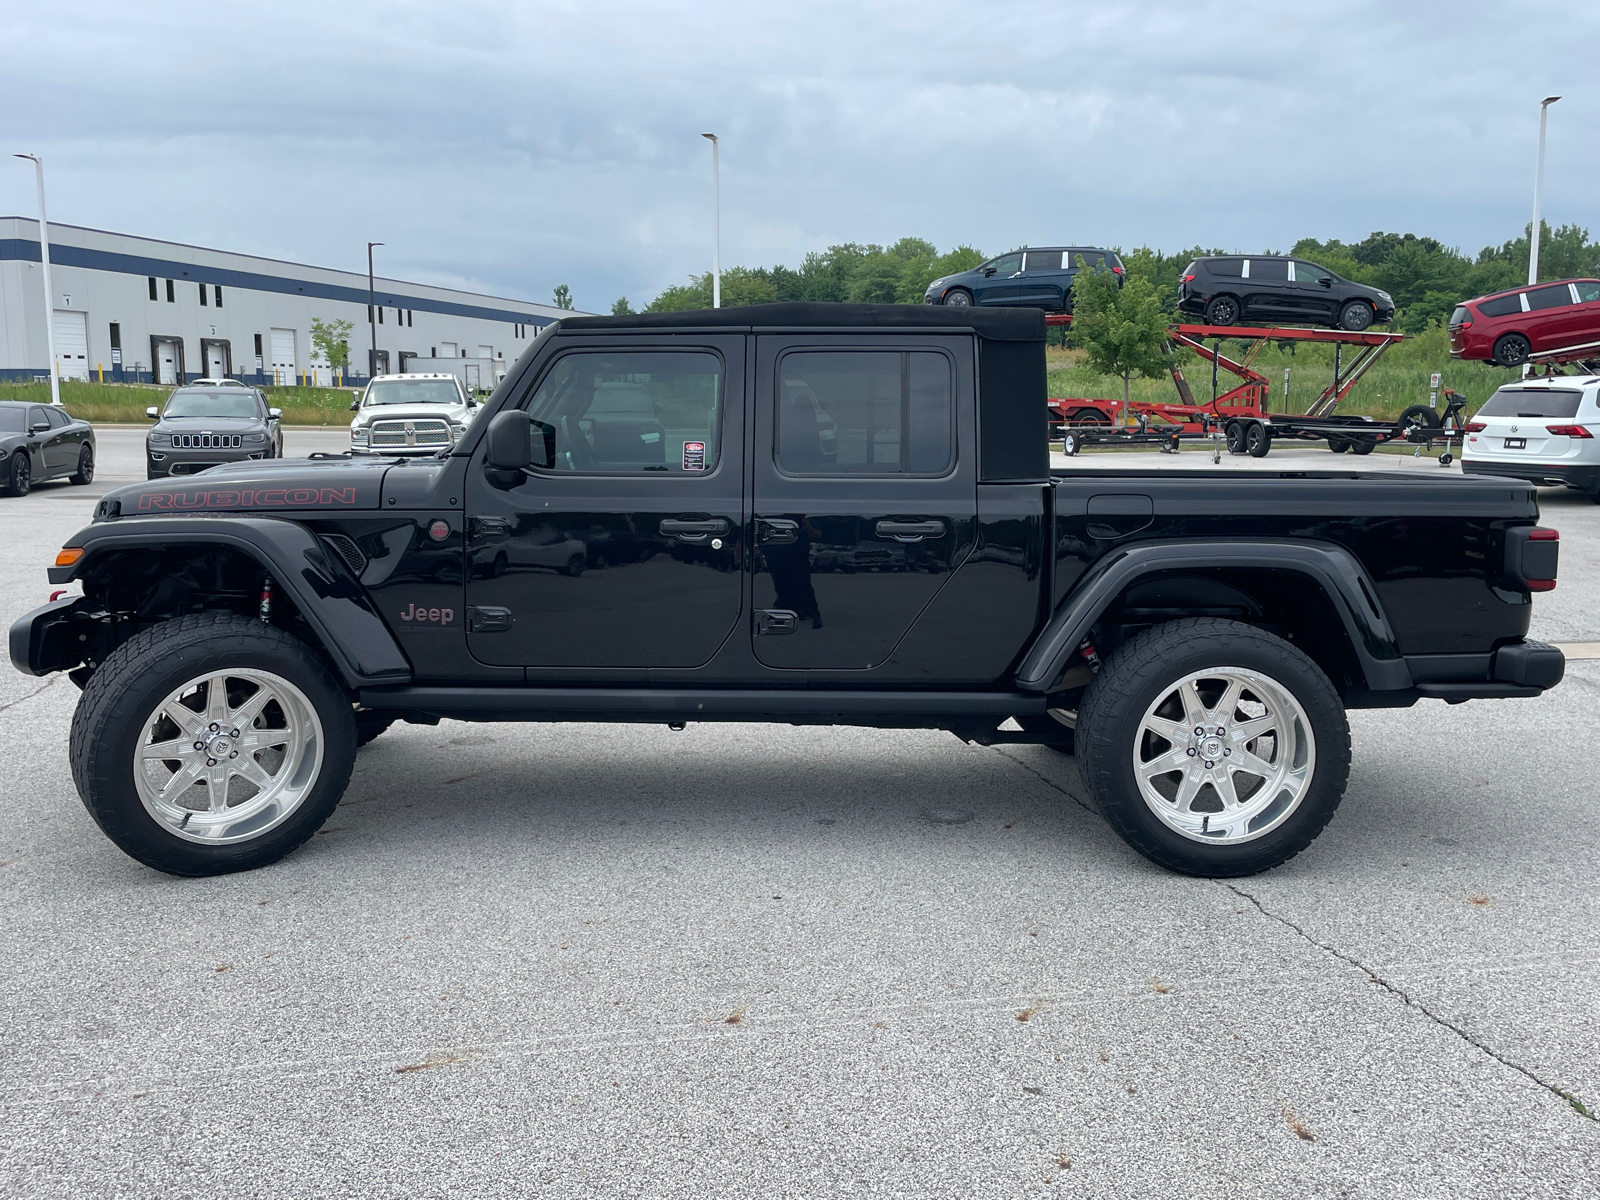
(1002, 281)
(865, 495)
(1314, 300)
(620, 548)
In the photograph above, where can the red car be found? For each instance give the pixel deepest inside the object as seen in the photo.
(1507, 327)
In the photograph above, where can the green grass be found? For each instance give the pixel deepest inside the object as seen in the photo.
(1398, 379)
(124, 403)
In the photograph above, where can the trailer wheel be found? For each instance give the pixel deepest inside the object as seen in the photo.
(1069, 443)
(1257, 440)
(1446, 459)
(1418, 416)
(1234, 433)
(1356, 316)
(1363, 445)
(1223, 310)
(1338, 444)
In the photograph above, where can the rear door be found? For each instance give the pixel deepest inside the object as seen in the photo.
(1266, 290)
(865, 491)
(622, 549)
(1554, 318)
(1045, 279)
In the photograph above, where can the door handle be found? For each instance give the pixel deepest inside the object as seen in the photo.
(693, 529)
(910, 531)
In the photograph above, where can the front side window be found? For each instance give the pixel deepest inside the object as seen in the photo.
(629, 411)
(38, 416)
(1007, 264)
(1556, 296)
(865, 412)
(1305, 272)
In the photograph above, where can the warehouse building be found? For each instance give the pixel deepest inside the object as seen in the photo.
(136, 310)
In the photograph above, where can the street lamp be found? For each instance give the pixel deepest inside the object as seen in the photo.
(716, 225)
(372, 313)
(1538, 186)
(49, 296)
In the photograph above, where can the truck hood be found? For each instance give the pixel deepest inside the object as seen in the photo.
(413, 412)
(260, 485)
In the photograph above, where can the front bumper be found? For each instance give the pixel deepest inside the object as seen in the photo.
(1583, 476)
(192, 462)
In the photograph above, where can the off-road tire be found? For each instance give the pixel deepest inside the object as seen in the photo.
(139, 675)
(1356, 316)
(85, 472)
(1223, 310)
(1512, 349)
(18, 475)
(1133, 678)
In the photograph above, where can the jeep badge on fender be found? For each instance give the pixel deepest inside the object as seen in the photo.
(440, 616)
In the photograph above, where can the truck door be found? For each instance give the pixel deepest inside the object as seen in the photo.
(865, 491)
(622, 548)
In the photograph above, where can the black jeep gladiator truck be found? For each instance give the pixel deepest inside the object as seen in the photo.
(791, 513)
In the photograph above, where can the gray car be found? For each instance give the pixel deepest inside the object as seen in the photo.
(204, 425)
(40, 441)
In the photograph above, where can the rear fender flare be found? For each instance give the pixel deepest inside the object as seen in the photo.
(1331, 567)
(333, 602)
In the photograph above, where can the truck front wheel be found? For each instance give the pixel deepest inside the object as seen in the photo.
(212, 743)
(1213, 748)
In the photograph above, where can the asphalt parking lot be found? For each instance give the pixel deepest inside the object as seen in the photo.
(743, 961)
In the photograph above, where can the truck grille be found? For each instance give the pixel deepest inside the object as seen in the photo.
(207, 441)
(409, 433)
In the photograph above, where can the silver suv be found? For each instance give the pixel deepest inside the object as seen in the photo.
(410, 414)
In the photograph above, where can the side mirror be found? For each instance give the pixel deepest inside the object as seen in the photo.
(508, 447)
(39, 427)
(153, 413)
(274, 413)
(988, 271)
(472, 404)
(1325, 282)
(354, 404)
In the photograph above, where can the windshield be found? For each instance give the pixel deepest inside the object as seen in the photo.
(1529, 402)
(231, 403)
(413, 391)
(11, 420)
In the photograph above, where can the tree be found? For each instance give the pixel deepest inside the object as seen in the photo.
(563, 296)
(330, 341)
(621, 307)
(1122, 329)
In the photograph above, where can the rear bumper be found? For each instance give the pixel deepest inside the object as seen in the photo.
(1519, 669)
(1583, 476)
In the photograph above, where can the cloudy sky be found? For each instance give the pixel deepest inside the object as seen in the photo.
(512, 145)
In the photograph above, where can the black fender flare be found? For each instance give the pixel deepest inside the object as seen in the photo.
(1340, 575)
(333, 602)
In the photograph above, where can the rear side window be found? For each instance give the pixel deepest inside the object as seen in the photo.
(1557, 296)
(1230, 268)
(1501, 306)
(1529, 402)
(866, 412)
(1088, 260)
(1043, 260)
(1459, 316)
(1269, 270)
(618, 413)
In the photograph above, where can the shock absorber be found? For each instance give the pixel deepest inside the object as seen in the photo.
(266, 600)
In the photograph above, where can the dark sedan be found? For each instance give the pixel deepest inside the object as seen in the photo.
(203, 426)
(40, 441)
(1037, 277)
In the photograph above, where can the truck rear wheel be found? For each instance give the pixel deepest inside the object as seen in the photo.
(1213, 748)
(212, 743)
(1257, 439)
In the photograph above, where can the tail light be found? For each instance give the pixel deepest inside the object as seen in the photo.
(1476, 426)
(1117, 270)
(1188, 279)
(1577, 431)
(1532, 553)
(1466, 323)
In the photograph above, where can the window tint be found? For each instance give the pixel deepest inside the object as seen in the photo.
(873, 412)
(38, 416)
(1088, 260)
(1229, 267)
(1522, 402)
(1043, 260)
(1305, 272)
(1269, 270)
(627, 412)
(1501, 306)
(58, 419)
(1458, 316)
(1588, 290)
(1555, 296)
(1007, 264)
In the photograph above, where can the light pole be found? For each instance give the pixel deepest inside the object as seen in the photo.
(1538, 186)
(49, 295)
(716, 224)
(372, 313)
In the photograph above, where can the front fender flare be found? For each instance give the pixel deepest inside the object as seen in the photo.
(332, 600)
(1340, 575)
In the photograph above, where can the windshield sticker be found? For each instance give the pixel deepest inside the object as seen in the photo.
(694, 456)
(247, 498)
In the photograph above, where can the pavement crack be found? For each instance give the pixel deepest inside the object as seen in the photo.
(43, 687)
(1577, 1105)
(1046, 780)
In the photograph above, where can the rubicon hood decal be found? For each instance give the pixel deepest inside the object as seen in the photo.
(176, 501)
(277, 484)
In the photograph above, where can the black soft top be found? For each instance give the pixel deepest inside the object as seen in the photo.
(993, 324)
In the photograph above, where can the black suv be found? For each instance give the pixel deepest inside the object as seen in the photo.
(1230, 289)
(1037, 277)
(211, 423)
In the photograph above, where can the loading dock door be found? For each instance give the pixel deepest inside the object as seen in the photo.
(216, 361)
(283, 366)
(448, 350)
(71, 330)
(166, 362)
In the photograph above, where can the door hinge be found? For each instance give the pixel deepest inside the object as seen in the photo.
(488, 619)
(776, 620)
(776, 531)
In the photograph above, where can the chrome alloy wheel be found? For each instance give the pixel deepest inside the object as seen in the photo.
(228, 756)
(1224, 755)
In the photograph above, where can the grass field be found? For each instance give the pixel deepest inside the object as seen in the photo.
(124, 403)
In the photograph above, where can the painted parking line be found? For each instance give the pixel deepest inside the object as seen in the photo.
(1578, 649)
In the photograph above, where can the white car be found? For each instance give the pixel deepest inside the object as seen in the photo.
(410, 414)
(1543, 430)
